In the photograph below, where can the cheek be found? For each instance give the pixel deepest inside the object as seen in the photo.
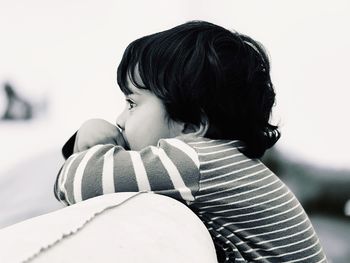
(146, 129)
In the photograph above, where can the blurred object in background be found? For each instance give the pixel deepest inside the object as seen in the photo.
(319, 189)
(347, 208)
(324, 194)
(17, 107)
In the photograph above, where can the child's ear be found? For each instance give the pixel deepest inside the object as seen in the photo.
(199, 130)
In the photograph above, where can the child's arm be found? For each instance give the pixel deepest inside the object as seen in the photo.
(172, 169)
(91, 133)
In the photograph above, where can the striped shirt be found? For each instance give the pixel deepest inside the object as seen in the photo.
(250, 213)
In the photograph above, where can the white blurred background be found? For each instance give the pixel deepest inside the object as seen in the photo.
(68, 52)
(65, 53)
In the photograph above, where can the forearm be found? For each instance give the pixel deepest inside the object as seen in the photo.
(106, 169)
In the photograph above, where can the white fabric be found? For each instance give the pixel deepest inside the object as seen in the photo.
(142, 227)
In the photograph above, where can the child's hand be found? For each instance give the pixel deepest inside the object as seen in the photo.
(97, 131)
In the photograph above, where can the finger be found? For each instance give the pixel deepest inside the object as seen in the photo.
(120, 140)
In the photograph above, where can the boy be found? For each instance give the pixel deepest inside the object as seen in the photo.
(198, 103)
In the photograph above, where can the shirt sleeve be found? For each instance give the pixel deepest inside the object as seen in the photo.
(171, 168)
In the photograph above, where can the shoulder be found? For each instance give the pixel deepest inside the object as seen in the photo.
(203, 145)
(180, 147)
(213, 153)
(197, 147)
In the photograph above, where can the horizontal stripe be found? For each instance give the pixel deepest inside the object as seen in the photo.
(263, 218)
(271, 224)
(244, 200)
(322, 260)
(256, 212)
(282, 230)
(215, 145)
(201, 142)
(220, 151)
(245, 192)
(224, 166)
(287, 254)
(231, 181)
(301, 259)
(231, 173)
(270, 241)
(249, 206)
(245, 207)
(221, 159)
(284, 246)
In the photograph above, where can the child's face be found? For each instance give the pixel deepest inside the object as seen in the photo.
(144, 120)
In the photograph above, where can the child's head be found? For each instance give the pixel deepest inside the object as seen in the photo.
(206, 75)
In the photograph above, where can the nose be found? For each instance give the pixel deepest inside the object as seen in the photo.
(120, 122)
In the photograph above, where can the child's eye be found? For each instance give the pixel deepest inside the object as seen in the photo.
(130, 104)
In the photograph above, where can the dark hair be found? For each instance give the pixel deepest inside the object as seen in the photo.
(200, 68)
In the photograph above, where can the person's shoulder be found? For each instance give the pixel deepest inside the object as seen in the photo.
(188, 139)
(200, 142)
(179, 148)
(192, 138)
